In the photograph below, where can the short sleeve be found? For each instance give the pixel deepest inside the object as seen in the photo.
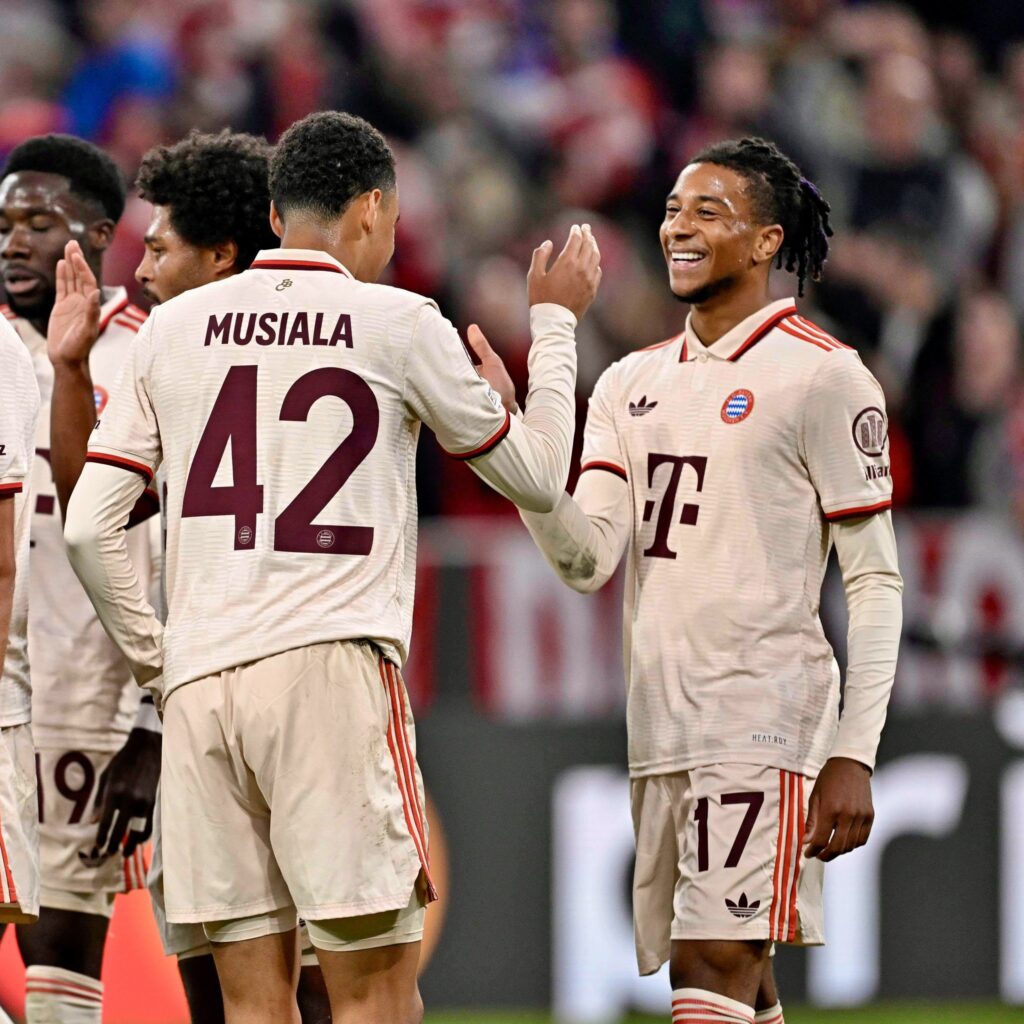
(846, 439)
(126, 435)
(445, 391)
(19, 406)
(601, 448)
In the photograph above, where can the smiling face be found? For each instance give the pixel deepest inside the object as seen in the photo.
(711, 235)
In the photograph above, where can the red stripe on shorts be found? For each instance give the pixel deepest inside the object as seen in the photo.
(407, 793)
(796, 857)
(12, 891)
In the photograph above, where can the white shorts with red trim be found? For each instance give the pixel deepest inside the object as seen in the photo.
(19, 827)
(719, 856)
(74, 874)
(292, 782)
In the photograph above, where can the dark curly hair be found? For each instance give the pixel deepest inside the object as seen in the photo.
(92, 175)
(325, 160)
(780, 195)
(216, 189)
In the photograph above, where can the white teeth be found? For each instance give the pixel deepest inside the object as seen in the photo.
(687, 257)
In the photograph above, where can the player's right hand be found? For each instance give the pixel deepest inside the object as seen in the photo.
(75, 320)
(573, 279)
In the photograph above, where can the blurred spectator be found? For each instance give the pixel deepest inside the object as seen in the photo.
(510, 118)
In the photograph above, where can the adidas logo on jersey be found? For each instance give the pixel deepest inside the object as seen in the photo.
(641, 408)
(742, 909)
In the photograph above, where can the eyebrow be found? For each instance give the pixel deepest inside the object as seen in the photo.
(150, 239)
(673, 197)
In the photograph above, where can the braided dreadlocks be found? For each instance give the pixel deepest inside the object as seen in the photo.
(780, 195)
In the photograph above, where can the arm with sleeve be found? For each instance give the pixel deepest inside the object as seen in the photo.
(584, 537)
(123, 456)
(524, 458)
(848, 461)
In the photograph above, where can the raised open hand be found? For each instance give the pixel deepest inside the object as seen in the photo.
(573, 279)
(75, 319)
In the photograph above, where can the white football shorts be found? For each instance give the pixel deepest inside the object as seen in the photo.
(719, 856)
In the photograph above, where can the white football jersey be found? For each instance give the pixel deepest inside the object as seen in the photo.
(283, 406)
(83, 695)
(19, 409)
(737, 457)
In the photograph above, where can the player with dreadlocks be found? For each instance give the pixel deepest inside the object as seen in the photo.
(727, 461)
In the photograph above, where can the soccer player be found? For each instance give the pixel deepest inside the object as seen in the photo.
(210, 217)
(19, 816)
(290, 780)
(56, 189)
(726, 462)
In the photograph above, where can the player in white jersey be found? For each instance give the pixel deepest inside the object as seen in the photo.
(90, 758)
(290, 779)
(19, 816)
(726, 462)
(195, 236)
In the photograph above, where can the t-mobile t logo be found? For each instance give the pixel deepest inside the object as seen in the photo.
(688, 516)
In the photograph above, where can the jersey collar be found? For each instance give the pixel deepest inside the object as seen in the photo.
(741, 338)
(297, 259)
(114, 300)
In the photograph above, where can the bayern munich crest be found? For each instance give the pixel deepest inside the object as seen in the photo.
(738, 406)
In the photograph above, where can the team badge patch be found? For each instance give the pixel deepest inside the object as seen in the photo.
(738, 406)
(100, 397)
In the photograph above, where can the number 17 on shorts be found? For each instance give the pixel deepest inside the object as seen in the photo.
(719, 856)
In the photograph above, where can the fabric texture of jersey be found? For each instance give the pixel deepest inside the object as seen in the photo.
(737, 456)
(19, 410)
(74, 663)
(316, 384)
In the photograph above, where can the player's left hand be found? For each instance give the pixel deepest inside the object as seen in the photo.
(491, 367)
(128, 790)
(841, 813)
(75, 319)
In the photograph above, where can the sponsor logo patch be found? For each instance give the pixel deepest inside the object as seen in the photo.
(738, 406)
(870, 431)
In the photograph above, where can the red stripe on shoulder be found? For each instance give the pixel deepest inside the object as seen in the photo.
(804, 337)
(122, 463)
(132, 325)
(489, 445)
(660, 344)
(816, 331)
(135, 313)
(608, 467)
(857, 513)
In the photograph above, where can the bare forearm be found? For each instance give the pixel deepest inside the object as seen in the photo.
(72, 418)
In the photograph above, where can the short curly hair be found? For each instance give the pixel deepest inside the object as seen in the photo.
(92, 174)
(324, 161)
(216, 189)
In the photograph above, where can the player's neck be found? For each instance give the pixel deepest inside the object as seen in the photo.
(328, 239)
(719, 315)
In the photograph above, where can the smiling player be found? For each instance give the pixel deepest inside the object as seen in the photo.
(726, 462)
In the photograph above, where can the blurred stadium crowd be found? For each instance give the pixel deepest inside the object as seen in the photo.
(511, 118)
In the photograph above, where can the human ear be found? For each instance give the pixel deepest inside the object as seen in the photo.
(768, 243)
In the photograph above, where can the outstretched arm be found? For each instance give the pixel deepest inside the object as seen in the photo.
(525, 458)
